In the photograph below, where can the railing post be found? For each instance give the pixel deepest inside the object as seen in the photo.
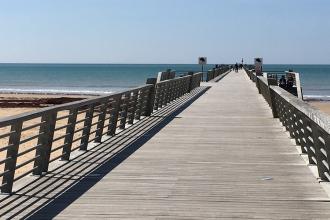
(124, 109)
(175, 89)
(114, 115)
(208, 75)
(189, 84)
(139, 105)
(10, 164)
(152, 100)
(191, 81)
(199, 80)
(87, 127)
(70, 133)
(100, 124)
(45, 141)
(185, 84)
(156, 96)
(133, 107)
(165, 94)
(174, 85)
(258, 84)
(273, 102)
(168, 92)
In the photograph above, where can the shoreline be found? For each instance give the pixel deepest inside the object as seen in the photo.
(13, 100)
(2, 93)
(316, 98)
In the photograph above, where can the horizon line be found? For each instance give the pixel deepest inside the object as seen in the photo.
(78, 63)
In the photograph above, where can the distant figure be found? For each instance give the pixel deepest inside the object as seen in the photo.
(241, 66)
(282, 82)
(289, 83)
(236, 67)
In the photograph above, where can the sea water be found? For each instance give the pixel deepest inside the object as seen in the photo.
(81, 78)
(109, 78)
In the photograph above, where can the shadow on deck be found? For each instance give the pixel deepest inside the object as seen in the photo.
(48, 195)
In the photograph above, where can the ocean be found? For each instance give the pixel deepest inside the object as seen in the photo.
(81, 78)
(109, 78)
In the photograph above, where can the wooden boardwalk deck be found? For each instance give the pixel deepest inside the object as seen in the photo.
(223, 157)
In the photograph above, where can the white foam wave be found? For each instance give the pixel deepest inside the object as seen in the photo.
(55, 91)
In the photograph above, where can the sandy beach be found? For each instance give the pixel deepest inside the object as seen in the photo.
(324, 106)
(5, 112)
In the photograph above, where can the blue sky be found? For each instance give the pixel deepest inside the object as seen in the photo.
(164, 31)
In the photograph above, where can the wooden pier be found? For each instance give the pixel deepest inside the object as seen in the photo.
(216, 152)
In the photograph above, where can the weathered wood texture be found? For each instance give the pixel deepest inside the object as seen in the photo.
(69, 179)
(308, 126)
(224, 157)
(99, 116)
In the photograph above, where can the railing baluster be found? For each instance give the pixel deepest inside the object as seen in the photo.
(10, 165)
(140, 100)
(166, 93)
(150, 101)
(70, 131)
(101, 121)
(112, 127)
(123, 112)
(45, 141)
(133, 107)
(87, 127)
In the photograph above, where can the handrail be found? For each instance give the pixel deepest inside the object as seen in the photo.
(308, 126)
(57, 131)
(216, 72)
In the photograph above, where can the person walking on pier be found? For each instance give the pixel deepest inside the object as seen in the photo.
(282, 82)
(236, 67)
